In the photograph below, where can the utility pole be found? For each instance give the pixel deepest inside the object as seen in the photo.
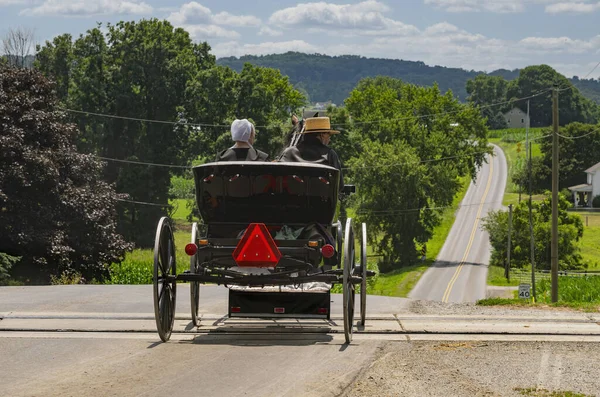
(507, 270)
(532, 247)
(554, 241)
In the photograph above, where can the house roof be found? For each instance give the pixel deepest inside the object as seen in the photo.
(593, 168)
(581, 188)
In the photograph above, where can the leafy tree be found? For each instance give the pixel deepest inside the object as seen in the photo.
(394, 132)
(56, 213)
(138, 70)
(486, 90)
(54, 59)
(572, 105)
(540, 174)
(570, 230)
(575, 155)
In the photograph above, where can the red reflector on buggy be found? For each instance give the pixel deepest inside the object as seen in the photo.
(256, 248)
(191, 249)
(236, 309)
(327, 250)
(279, 310)
(322, 310)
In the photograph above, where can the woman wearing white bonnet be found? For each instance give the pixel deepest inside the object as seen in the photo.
(243, 134)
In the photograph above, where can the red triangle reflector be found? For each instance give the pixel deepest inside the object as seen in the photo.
(256, 248)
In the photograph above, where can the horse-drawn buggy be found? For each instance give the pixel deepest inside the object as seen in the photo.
(270, 235)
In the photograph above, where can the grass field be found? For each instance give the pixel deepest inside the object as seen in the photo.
(590, 242)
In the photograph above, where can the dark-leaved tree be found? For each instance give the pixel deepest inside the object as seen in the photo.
(56, 213)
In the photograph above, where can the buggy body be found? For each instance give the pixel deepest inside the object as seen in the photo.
(270, 234)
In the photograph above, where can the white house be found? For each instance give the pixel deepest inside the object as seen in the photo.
(516, 118)
(584, 194)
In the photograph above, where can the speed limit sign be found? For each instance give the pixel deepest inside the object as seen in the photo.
(524, 291)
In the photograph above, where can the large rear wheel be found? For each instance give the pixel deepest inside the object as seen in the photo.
(165, 285)
(195, 285)
(363, 268)
(347, 285)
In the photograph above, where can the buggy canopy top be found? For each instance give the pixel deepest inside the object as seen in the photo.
(266, 192)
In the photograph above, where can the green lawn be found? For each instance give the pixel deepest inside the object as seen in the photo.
(590, 242)
(496, 277)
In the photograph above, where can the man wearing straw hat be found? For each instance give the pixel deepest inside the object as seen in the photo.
(312, 146)
(243, 134)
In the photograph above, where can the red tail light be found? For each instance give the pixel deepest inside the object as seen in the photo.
(236, 309)
(191, 249)
(257, 248)
(327, 250)
(322, 310)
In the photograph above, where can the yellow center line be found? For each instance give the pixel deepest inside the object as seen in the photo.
(446, 296)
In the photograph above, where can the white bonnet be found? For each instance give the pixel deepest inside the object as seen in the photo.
(241, 130)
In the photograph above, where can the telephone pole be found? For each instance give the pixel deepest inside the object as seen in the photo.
(507, 269)
(554, 241)
(532, 241)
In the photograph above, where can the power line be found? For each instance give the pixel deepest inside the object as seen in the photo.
(578, 137)
(143, 203)
(143, 163)
(431, 115)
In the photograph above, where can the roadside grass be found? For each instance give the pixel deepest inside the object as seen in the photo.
(180, 209)
(400, 282)
(513, 156)
(590, 242)
(496, 277)
(579, 306)
(537, 392)
(138, 265)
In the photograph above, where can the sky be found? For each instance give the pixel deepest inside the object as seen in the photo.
(482, 35)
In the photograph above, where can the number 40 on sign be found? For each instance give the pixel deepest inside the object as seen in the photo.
(524, 291)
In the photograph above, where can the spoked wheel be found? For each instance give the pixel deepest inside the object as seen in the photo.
(363, 267)
(165, 290)
(195, 285)
(347, 285)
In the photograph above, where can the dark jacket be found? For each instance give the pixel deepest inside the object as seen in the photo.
(311, 150)
(242, 154)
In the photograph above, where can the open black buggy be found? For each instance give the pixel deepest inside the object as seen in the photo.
(268, 234)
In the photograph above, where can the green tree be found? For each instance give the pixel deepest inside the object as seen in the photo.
(56, 213)
(570, 230)
(572, 105)
(138, 70)
(575, 155)
(485, 90)
(389, 115)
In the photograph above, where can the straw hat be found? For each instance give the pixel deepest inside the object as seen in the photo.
(318, 124)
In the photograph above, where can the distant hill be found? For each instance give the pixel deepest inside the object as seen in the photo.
(326, 78)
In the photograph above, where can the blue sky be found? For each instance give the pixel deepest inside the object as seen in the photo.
(472, 34)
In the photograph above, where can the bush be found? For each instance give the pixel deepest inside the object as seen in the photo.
(57, 212)
(596, 202)
(6, 263)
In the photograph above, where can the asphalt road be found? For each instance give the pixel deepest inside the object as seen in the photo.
(88, 340)
(460, 271)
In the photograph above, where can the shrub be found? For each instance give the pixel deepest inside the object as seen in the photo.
(596, 202)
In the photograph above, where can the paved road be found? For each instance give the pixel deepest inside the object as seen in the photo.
(88, 340)
(460, 272)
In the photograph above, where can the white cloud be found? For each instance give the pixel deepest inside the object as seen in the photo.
(233, 48)
(366, 18)
(499, 6)
(202, 23)
(563, 45)
(88, 8)
(11, 2)
(225, 18)
(572, 7)
(267, 31)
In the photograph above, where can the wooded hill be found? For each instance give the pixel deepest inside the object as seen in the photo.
(325, 78)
